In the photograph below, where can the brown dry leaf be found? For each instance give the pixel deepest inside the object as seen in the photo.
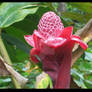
(3, 69)
(21, 80)
(6, 69)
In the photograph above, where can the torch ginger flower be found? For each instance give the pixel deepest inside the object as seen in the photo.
(53, 44)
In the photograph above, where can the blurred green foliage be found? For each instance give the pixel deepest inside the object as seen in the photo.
(14, 29)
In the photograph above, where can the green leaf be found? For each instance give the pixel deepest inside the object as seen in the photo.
(88, 84)
(76, 74)
(15, 41)
(78, 77)
(74, 16)
(29, 24)
(80, 83)
(14, 12)
(82, 74)
(88, 56)
(86, 67)
(45, 82)
(86, 7)
(51, 84)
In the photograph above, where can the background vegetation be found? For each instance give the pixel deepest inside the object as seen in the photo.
(19, 19)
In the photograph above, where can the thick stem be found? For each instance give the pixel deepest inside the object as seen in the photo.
(63, 78)
(58, 66)
(7, 59)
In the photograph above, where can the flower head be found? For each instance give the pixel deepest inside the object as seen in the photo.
(50, 25)
(53, 44)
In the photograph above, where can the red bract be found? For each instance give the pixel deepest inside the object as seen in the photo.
(53, 44)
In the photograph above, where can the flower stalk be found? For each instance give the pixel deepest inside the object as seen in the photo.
(64, 72)
(7, 59)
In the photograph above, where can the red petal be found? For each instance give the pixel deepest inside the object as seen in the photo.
(48, 46)
(66, 32)
(46, 49)
(34, 52)
(75, 36)
(37, 37)
(77, 39)
(29, 39)
(55, 42)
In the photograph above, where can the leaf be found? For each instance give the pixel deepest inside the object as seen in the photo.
(22, 80)
(80, 83)
(7, 80)
(43, 81)
(86, 7)
(3, 69)
(74, 16)
(88, 56)
(51, 84)
(88, 84)
(76, 74)
(14, 12)
(16, 46)
(86, 67)
(82, 74)
(28, 25)
(15, 41)
(78, 77)
(80, 11)
(6, 69)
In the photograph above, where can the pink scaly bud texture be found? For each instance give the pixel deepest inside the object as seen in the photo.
(53, 44)
(50, 24)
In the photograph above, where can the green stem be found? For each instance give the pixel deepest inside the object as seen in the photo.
(5, 55)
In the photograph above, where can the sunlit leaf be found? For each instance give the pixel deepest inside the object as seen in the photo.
(88, 56)
(43, 81)
(14, 12)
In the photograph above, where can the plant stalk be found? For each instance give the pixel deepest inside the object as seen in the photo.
(7, 59)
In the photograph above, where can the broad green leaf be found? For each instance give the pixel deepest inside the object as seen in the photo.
(16, 54)
(16, 46)
(15, 41)
(14, 12)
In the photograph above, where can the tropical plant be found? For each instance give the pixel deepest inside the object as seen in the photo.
(17, 69)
